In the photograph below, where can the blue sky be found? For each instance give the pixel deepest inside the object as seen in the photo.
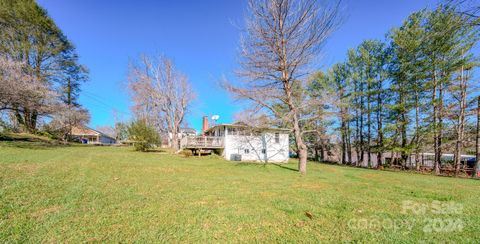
(200, 36)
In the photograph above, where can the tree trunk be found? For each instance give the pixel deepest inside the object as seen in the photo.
(403, 128)
(460, 125)
(322, 152)
(436, 145)
(19, 117)
(362, 144)
(32, 127)
(357, 125)
(344, 139)
(369, 131)
(440, 125)
(357, 139)
(302, 160)
(369, 122)
(349, 144)
(301, 147)
(379, 125)
(175, 145)
(476, 169)
(28, 119)
(417, 131)
(69, 92)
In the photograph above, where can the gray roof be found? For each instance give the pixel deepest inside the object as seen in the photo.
(240, 125)
(188, 130)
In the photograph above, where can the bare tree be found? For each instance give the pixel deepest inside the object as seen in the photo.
(20, 89)
(253, 119)
(282, 40)
(66, 117)
(162, 95)
(467, 8)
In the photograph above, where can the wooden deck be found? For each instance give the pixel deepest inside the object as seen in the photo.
(202, 142)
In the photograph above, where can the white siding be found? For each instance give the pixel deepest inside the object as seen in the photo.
(261, 148)
(106, 140)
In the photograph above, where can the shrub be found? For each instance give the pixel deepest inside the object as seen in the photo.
(186, 153)
(144, 136)
(45, 134)
(48, 131)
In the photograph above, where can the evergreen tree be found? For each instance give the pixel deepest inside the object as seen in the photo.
(355, 69)
(406, 71)
(445, 51)
(367, 65)
(333, 88)
(29, 35)
(410, 96)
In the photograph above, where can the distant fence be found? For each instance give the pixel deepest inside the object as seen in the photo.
(391, 158)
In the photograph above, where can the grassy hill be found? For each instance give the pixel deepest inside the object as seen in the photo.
(81, 193)
(26, 140)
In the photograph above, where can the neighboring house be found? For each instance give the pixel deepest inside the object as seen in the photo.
(184, 132)
(239, 142)
(90, 136)
(187, 132)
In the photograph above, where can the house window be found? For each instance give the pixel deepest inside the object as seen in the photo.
(246, 151)
(277, 137)
(232, 131)
(264, 151)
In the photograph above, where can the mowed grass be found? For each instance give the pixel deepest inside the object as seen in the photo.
(94, 194)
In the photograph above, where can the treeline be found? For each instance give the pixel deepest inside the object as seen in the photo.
(413, 93)
(40, 75)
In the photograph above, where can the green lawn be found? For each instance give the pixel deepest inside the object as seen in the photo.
(78, 193)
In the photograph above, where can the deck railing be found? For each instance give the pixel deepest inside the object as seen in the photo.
(202, 142)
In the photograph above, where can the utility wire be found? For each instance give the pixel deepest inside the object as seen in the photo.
(99, 100)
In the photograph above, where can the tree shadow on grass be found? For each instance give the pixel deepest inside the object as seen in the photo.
(155, 150)
(28, 142)
(33, 145)
(257, 164)
(284, 166)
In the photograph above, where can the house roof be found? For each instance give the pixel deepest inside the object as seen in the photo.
(241, 125)
(188, 130)
(86, 131)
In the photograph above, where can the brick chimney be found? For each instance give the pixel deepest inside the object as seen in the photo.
(204, 124)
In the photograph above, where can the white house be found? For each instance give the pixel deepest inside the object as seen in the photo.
(239, 142)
